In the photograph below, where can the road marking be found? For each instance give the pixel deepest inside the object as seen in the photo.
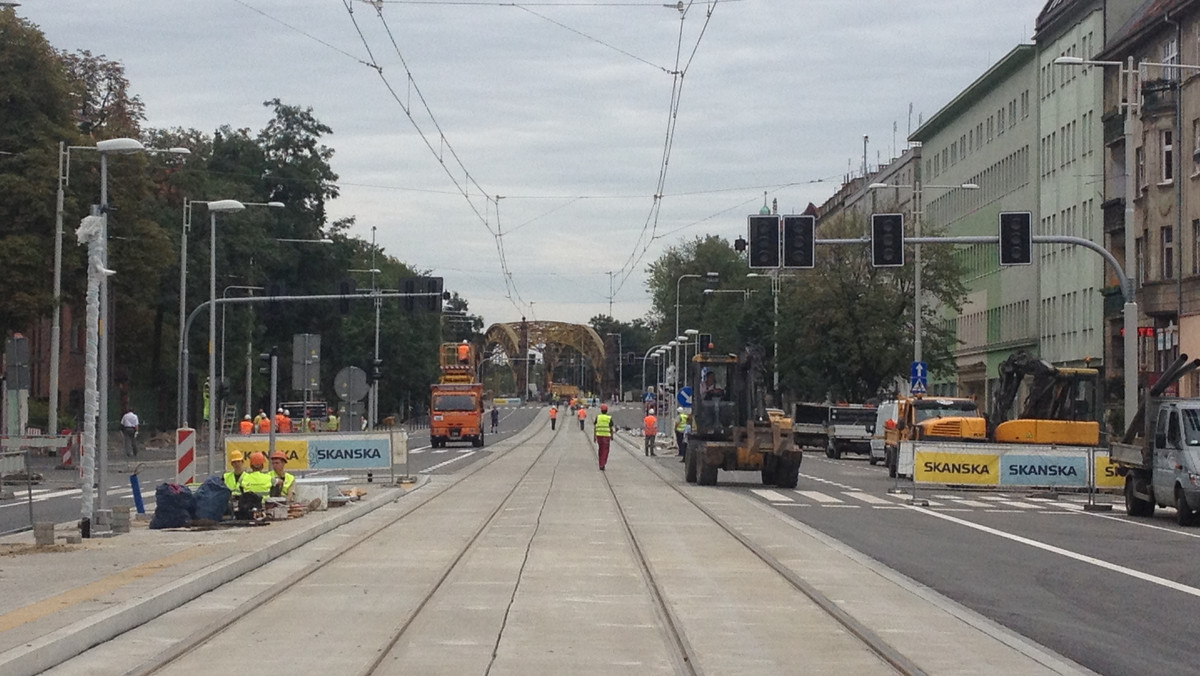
(867, 498)
(817, 496)
(94, 590)
(1019, 505)
(969, 503)
(770, 496)
(1099, 563)
(456, 458)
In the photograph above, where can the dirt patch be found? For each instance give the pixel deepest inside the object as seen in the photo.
(21, 548)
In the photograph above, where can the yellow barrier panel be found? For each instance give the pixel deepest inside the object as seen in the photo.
(1106, 473)
(957, 468)
(296, 450)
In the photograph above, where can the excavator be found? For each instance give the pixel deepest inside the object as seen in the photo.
(732, 428)
(1059, 408)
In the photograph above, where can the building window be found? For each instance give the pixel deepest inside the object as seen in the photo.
(1196, 145)
(1168, 253)
(1140, 257)
(1168, 155)
(1196, 246)
(1140, 160)
(1000, 121)
(1170, 54)
(991, 123)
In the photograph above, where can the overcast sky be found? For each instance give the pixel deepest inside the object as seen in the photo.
(560, 107)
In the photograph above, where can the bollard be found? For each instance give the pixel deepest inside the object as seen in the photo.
(85, 528)
(136, 484)
(120, 519)
(103, 518)
(43, 533)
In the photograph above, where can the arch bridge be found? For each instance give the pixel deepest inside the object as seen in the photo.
(556, 341)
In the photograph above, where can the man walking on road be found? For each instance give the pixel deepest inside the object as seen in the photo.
(680, 429)
(495, 419)
(129, 428)
(582, 417)
(650, 429)
(553, 415)
(602, 434)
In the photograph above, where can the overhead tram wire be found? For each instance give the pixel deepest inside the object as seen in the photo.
(643, 240)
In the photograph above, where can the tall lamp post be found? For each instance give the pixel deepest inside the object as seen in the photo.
(918, 210)
(710, 276)
(1131, 104)
(215, 207)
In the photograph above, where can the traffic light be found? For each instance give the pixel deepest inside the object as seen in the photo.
(887, 240)
(799, 233)
(409, 286)
(1016, 238)
(433, 286)
(706, 343)
(375, 374)
(764, 241)
(346, 288)
(265, 358)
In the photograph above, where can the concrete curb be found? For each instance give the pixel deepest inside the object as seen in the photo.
(61, 645)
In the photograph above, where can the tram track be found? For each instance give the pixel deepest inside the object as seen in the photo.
(228, 620)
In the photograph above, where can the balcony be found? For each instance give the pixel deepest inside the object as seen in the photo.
(1114, 127)
(1114, 215)
(1159, 96)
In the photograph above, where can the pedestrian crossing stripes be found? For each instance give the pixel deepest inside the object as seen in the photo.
(1001, 503)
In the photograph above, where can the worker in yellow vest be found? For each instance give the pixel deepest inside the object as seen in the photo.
(257, 480)
(331, 424)
(233, 478)
(603, 434)
(281, 482)
(681, 426)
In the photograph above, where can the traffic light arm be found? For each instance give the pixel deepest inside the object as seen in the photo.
(1122, 278)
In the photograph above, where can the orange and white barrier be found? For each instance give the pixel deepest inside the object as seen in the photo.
(71, 453)
(185, 456)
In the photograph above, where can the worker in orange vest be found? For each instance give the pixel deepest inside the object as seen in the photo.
(582, 417)
(245, 426)
(553, 415)
(650, 429)
(283, 424)
(264, 424)
(464, 353)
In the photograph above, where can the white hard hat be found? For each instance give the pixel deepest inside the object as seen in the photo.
(651, 411)
(246, 417)
(679, 410)
(279, 411)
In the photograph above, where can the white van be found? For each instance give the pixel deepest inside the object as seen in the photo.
(887, 411)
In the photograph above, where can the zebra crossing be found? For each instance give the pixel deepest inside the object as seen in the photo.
(837, 495)
(440, 451)
(22, 496)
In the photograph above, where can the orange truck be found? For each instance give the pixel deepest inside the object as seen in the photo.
(456, 401)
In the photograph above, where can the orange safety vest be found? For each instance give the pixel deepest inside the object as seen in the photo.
(264, 426)
(464, 352)
(245, 427)
(283, 423)
(553, 412)
(583, 414)
(650, 425)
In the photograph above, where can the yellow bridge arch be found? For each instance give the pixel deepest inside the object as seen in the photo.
(516, 337)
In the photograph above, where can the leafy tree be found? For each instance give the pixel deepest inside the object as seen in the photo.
(104, 107)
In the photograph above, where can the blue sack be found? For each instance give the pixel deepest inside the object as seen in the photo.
(212, 499)
(174, 506)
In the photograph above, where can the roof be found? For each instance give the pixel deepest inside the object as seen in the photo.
(1147, 18)
(1003, 69)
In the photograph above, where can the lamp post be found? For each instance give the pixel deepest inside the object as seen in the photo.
(1131, 104)
(918, 209)
(106, 147)
(620, 367)
(64, 181)
(711, 276)
(215, 207)
(649, 353)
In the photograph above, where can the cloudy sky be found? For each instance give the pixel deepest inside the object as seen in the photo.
(562, 108)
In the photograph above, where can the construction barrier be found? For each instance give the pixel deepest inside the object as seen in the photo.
(50, 443)
(329, 450)
(1006, 465)
(185, 456)
(71, 454)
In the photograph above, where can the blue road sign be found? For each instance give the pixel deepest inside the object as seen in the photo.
(920, 377)
(918, 387)
(684, 397)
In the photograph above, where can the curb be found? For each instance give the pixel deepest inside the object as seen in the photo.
(63, 644)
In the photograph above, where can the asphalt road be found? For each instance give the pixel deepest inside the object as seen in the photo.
(1116, 594)
(57, 497)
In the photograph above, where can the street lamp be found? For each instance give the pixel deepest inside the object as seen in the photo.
(64, 181)
(918, 209)
(651, 352)
(215, 207)
(1131, 103)
(710, 276)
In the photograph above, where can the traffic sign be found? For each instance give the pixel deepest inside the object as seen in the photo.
(920, 377)
(684, 397)
(918, 387)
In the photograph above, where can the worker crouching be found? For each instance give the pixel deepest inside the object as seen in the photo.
(282, 483)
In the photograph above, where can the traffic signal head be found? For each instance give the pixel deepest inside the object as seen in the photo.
(1016, 238)
(376, 372)
(409, 286)
(433, 287)
(887, 240)
(799, 234)
(346, 288)
(764, 241)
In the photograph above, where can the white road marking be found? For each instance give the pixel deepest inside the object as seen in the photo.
(770, 496)
(1083, 558)
(970, 503)
(1019, 505)
(867, 498)
(456, 458)
(817, 496)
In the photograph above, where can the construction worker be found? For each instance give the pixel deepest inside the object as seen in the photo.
(258, 419)
(264, 424)
(681, 426)
(245, 426)
(495, 419)
(283, 424)
(650, 429)
(553, 415)
(602, 433)
(582, 415)
(306, 424)
(464, 353)
(233, 478)
(257, 480)
(282, 483)
(331, 424)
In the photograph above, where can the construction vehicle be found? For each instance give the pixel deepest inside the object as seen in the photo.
(1059, 409)
(456, 401)
(731, 426)
(1159, 454)
(833, 428)
(931, 419)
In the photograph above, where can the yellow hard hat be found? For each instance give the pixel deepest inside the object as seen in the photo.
(236, 456)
